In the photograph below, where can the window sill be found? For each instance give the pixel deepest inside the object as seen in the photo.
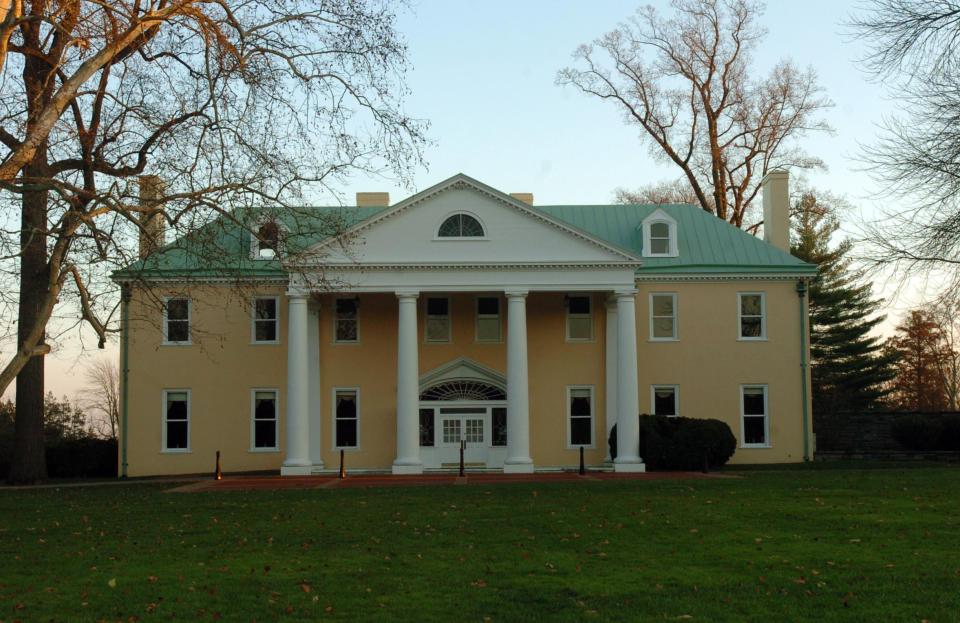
(264, 450)
(265, 343)
(576, 340)
(177, 451)
(585, 447)
(663, 339)
(346, 342)
(461, 239)
(752, 339)
(755, 446)
(165, 343)
(346, 448)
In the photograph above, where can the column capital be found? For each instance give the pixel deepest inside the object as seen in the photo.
(516, 293)
(297, 295)
(624, 293)
(407, 294)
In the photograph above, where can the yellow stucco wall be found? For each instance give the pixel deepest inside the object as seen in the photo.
(222, 366)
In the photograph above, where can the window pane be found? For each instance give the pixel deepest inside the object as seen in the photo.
(470, 226)
(751, 327)
(265, 434)
(178, 309)
(426, 427)
(451, 431)
(269, 236)
(659, 230)
(662, 305)
(346, 308)
(450, 227)
(488, 329)
(266, 309)
(346, 405)
(177, 406)
(659, 246)
(474, 430)
(753, 401)
(346, 433)
(750, 305)
(178, 331)
(578, 305)
(579, 328)
(438, 329)
(265, 330)
(346, 330)
(499, 427)
(580, 431)
(754, 430)
(580, 402)
(177, 434)
(663, 327)
(488, 305)
(265, 406)
(664, 401)
(438, 307)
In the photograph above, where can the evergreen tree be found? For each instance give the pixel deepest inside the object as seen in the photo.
(850, 369)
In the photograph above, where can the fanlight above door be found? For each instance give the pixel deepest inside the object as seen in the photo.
(463, 390)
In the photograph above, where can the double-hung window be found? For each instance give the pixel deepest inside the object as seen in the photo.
(346, 414)
(752, 315)
(665, 400)
(176, 321)
(176, 420)
(346, 329)
(265, 419)
(266, 323)
(579, 319)
(754, 416)
(437, 320)
(488, 319)
(580, 416)
(663, 316)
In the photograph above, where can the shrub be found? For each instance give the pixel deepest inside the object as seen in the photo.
(681, 443)
(88, 457)
(928, 431)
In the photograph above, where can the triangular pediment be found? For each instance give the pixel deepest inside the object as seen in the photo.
(462, 369)
(513, 232)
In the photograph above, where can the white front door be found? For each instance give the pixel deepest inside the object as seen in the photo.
(469, 425)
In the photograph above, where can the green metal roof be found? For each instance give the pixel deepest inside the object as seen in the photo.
(706, 244)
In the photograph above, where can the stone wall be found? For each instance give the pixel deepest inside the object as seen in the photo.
(860, 434)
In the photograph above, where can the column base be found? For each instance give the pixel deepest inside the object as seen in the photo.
(318, 467)
(518, 467)
(296, 470)
(631, 467)
(404, 469)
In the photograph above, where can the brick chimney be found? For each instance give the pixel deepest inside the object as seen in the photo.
(776, 209)
(524, 197)
(373, 200)
(152, 224)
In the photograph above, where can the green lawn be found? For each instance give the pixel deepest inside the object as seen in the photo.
(815, 545)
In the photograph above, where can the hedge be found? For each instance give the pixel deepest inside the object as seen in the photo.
(88, 457)
(681, 443)
(928, 431)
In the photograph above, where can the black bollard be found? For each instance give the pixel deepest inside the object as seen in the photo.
(583, 469)
(218, 474)
(462, 445)
(343, 468)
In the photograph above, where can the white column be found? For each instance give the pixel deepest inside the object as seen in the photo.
(408, 385)
(297, 461)
(518, 404)
(628, 403)
(313, 382)
(611, 371)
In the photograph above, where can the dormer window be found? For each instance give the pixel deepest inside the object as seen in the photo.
(265, 243)
(461, 226)
(659, 235)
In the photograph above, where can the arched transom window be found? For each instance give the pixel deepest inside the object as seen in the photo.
(461, 226)
(463, 390)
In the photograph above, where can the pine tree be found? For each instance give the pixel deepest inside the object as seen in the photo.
(850, 369)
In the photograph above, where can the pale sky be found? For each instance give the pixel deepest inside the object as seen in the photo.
(483, 74)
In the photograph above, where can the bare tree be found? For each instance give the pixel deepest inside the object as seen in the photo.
(101, 399)
(658, 193)
(685, 81)
(240, 106)
(914, 49)
(947, 316)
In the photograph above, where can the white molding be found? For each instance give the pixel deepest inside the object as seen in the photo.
(438, 238)
(276, 420)
(333, 419)
(428, 266)
(253, 321)
(641, 276)
(660, 216)
(763, 317)
(163, 421)
(593, 418)
(766, 416)
(676, 318)
(676, 397)
(474, 372)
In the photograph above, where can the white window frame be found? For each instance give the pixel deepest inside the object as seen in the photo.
(476, 324)
(163, 422)
(676, 318)
(253, 419)
(763, 317)
(438, 238)
(336, 320)
(766, 416)
(333, 418)
(567, 316)
(660, 216)
(593, 418)
(189, 340)
(426, 319)
(253, 320)
(255, 240)
(676, 398)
